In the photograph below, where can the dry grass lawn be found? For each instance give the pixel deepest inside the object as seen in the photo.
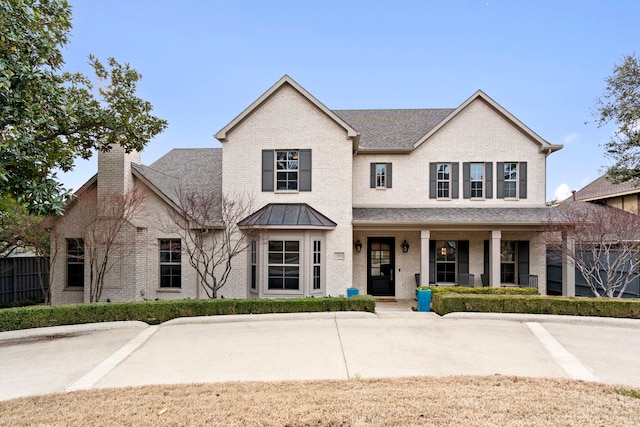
(459, 401)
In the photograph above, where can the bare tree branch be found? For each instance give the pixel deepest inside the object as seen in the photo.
(105, 242)
(208, 227)
(606, 245)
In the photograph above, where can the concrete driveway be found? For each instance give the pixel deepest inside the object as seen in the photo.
(394, 342)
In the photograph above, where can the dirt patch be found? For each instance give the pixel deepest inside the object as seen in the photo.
(468, 401)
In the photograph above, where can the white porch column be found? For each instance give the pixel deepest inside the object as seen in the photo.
(494, 258)
(425, 235)
(568, 268)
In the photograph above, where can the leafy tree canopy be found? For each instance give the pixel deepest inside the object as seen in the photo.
(48, 117)
(620, 104)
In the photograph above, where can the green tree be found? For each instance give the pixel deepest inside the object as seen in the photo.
(48, 117)
(620, 104)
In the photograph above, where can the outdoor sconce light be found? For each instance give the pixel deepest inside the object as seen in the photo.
(405, 246)
(358, 246)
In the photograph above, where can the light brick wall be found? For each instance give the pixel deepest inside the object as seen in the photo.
(476, 134)
(287, 120)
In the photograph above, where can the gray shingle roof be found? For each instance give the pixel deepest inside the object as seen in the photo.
(299, 215)
(602, 188)
(393, 129)
(185, 169)
(458, 216)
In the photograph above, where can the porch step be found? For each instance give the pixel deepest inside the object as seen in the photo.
(386, 299)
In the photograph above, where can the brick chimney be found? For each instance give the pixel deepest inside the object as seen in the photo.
(114, 171)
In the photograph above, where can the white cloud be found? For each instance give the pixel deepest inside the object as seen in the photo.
(562, 192)
(568, 139)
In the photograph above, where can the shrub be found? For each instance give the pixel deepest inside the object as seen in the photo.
(155, 312)
(444, 303)
(483, 291)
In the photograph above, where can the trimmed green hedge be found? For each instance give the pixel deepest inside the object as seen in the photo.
(484, 290)
(155, 312)
(444, 303)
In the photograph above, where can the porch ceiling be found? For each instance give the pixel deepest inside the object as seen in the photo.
(454, 218)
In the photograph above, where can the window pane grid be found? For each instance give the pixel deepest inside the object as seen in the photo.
(287, 164)
(284, 268)
(477, 180)
(442, 180)
(316, 265)
(510, 179)
(170, 263)
(381, 175)
(507, 262)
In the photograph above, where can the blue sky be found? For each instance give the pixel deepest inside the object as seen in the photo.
(204, 61)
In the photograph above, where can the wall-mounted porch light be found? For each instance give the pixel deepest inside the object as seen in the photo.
(358, 246)
(405, 246)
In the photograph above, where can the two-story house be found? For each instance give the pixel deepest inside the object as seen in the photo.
(379, 200)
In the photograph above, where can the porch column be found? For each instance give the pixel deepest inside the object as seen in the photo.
(494, 258)
(568, 268)
(425, 235)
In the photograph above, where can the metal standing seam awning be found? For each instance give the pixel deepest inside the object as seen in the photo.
(287, 216)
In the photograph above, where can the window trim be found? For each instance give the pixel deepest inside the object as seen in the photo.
(286, 171)
(374, 181)
(170, 263)
(515, 181)
(439, 244)
(284, 264)
(482, 181)
(513, 262)
(78, 257)
(446, 181)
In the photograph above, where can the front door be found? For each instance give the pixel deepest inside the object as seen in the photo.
(381, 266)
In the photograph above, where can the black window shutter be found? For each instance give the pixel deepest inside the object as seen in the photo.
(305, 170)
(523, 179)
(466, 180)
(500, 180)
(488, 180)
(523, 257)
(486, 257)
(267, 170)
(388, 175)
(455, 187)
(372, 178)
(463, 257)
(432, 261)
(432, 180)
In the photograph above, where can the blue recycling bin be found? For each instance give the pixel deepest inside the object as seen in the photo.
(424, 300)
(352, 292)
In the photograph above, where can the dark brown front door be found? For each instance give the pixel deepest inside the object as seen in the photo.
(380, 266)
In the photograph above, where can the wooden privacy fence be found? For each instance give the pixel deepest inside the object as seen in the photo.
(20, 281)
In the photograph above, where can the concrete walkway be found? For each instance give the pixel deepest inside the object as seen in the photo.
(394, 342)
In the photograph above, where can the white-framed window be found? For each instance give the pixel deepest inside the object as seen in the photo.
(287, 167)
(170, 264)
(443, 180)
(317, 265)
(381, 175)
(477, 180)
(284, 265)
(254, 265)
(510, 180)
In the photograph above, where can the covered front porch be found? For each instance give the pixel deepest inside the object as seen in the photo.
(397, 249)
